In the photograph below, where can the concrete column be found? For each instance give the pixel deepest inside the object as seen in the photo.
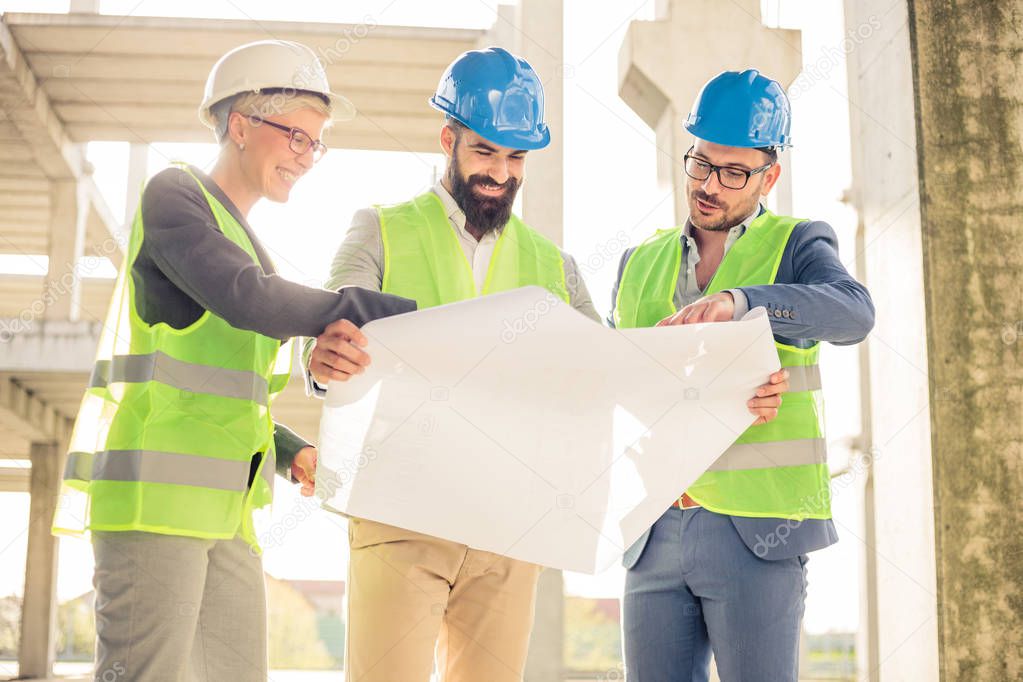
(900, 558)
(939, 195)
(539, 40)
(504, 33)
(664, 63)
(781, 196)
(867, 645)
(541, 43)
(967, 60)
(546, 644)
(39, 609)
(84, 6)
(138, 168)
(69, 210)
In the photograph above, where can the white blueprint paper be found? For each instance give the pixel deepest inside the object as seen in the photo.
(514, 424)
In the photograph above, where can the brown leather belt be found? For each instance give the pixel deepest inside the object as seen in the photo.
(685, 502)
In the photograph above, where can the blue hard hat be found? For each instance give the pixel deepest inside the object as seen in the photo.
(496, 95)
(741, 110)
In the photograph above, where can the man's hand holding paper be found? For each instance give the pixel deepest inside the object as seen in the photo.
(522, 439)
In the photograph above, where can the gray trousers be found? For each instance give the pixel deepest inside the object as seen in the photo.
(178, 609)
(698, 588)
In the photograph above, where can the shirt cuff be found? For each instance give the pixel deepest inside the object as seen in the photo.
(312, 387)
(741, 303)
(287, 443)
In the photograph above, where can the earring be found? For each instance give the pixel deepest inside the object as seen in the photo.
(241, 146)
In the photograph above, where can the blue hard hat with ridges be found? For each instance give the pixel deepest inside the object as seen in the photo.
(496, 95)
(741, 109)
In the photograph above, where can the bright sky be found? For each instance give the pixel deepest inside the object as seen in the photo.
(610, 185)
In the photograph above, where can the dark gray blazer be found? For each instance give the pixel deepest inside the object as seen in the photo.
(186, 266)
(823, 303)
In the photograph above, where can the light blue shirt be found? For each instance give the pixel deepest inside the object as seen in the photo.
(687, 290)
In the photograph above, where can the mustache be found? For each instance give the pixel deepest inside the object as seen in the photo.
(706, 198)
(478, 179)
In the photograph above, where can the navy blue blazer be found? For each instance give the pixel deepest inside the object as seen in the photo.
(824, 303)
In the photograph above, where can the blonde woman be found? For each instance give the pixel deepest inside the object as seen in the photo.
(174, 447)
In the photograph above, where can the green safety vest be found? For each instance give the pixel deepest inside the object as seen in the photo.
(424, 261)
(773, 470)
(172, 418)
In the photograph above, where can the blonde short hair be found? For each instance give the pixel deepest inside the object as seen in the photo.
(266, 104)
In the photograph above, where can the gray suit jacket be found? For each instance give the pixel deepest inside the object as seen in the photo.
(823, 303)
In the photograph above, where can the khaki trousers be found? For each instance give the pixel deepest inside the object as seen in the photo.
(411, 596)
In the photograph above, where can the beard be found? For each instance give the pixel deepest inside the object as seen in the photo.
(483, 213)
(729, 216)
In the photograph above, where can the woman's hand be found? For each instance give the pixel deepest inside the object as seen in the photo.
(303, 469)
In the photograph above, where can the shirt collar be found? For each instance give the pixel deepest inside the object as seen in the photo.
(454, 213)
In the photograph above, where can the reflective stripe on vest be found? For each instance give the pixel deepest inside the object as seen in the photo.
(160, 467)
(782, 453)
(804, 378)
(187, 376)
(778, 469)
(424, 261)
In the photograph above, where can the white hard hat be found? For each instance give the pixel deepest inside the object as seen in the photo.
(269, 65)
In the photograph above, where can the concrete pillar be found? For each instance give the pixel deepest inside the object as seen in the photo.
(967, 60)
(936, 110)
(900, 554)
(541, 43)
(538, 34)
(781, 195)
(39, 609)
(138, 168)
(546, 643)
(663, 64)
(84, 6)
(69, 210)
(867, 645)
(504, 32)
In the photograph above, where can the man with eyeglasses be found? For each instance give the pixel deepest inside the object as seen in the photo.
(724, 569)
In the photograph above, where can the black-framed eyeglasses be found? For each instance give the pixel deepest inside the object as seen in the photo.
(299, 141)
(730, 177)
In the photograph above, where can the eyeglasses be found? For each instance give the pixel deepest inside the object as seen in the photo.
(299, 141)
(730, 177)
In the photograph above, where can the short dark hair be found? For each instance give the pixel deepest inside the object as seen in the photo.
(772, 153)
(455, 125)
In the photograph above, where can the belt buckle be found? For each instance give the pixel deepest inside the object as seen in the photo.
(685, 502)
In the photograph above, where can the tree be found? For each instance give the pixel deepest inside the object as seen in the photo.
(295, 642)
(10, 626)
(76, 629)
(593, 640)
